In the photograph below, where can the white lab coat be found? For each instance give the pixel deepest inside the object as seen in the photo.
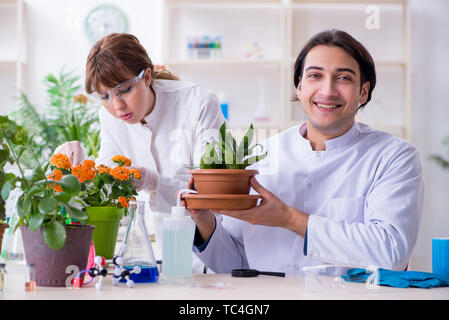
(184, 117)
(364, 195)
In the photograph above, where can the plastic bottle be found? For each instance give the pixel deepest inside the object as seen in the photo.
(177, 239)
(30, 283)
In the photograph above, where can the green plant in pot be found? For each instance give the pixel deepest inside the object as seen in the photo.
(68, 115)
(43, 208)
(105, 193)
(223, 174)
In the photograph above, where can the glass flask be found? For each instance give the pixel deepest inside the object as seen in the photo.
(136, 249)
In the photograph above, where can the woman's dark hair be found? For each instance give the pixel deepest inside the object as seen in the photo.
(341, 39)
(115, 58)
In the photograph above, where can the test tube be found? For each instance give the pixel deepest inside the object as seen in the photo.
(30, 283)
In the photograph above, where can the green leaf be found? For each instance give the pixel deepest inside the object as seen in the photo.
(55, 235)
(223, 132)
(47, 205)
(70, 184)
(76, 213)
(4, 154)
(243, 148)
(5, 190)
(23, 205)
(254, 159)
(36, 221)
(63, 197)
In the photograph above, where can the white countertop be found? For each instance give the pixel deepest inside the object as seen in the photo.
(216, 287)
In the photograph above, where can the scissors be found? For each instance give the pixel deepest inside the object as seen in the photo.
(254, 273)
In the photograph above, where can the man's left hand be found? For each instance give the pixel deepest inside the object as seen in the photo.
(272, 211)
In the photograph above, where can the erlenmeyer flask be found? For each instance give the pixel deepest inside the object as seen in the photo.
(136, 249)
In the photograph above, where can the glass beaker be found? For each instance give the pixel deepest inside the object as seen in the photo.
(136, 249)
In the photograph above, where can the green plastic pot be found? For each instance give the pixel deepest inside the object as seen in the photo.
(106, 221)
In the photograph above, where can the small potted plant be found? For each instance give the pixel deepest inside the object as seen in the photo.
(43, 207)
(223, 175)
(223, 164)
(105, 192)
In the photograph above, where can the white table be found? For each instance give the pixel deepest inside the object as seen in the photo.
(216, 287)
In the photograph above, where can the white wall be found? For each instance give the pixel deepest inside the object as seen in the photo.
(56, 38)
(430, 104)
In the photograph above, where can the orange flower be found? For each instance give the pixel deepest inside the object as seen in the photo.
(57, 187)
(135, 173)
(101, 168)
(89, 163)
(84, 171)
(120, 173)
(123, 202)
(80, 98)
(56, 175)
(60, 160)
(122, 161)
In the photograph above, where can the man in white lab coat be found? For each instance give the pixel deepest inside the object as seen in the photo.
(335, 191)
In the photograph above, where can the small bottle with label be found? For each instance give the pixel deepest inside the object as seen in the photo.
(2, 277)
(30, 283)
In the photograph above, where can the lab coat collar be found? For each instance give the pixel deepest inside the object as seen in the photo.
(342, 142)
(152, 117)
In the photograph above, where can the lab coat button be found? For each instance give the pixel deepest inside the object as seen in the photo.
(309, 185)
(318, 154)
(296, 266)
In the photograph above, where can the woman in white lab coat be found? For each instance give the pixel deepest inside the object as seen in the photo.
(151, 117)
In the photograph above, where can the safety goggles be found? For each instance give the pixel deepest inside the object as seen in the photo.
(123, 91)
(321, 278)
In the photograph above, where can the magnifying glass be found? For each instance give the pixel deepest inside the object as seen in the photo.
(254, 273)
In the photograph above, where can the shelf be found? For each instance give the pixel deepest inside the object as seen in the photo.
(281, 33)
(223, 62)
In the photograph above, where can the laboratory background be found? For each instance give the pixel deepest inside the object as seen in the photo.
(244, 51)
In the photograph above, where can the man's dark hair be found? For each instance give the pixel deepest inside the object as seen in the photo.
(341, 39)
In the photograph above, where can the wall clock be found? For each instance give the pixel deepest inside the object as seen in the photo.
(103, 20)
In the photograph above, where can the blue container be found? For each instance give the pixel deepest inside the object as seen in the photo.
(224, 110)
(146, 275)
(440, 256)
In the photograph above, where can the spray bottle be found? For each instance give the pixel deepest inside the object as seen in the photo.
(177, 239)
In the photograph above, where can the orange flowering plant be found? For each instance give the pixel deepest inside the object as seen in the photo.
(39, 205)
(101, 185)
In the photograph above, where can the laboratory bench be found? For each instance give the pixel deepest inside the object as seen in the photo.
(216, 287)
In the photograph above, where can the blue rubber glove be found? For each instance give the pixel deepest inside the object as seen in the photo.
(400, 279)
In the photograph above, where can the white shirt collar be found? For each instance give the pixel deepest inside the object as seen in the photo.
(341, 142)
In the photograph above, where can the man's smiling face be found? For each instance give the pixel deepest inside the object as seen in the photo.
(330, 90)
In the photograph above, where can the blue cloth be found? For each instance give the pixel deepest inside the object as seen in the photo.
(400, 279)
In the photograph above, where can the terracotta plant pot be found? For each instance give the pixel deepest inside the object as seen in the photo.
(3, 226)
(222, 201)
(222, 181)
(50, 265)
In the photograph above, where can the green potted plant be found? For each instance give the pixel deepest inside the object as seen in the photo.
(50, 244)
(222, 175)
(105, 192)
(68, 115)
